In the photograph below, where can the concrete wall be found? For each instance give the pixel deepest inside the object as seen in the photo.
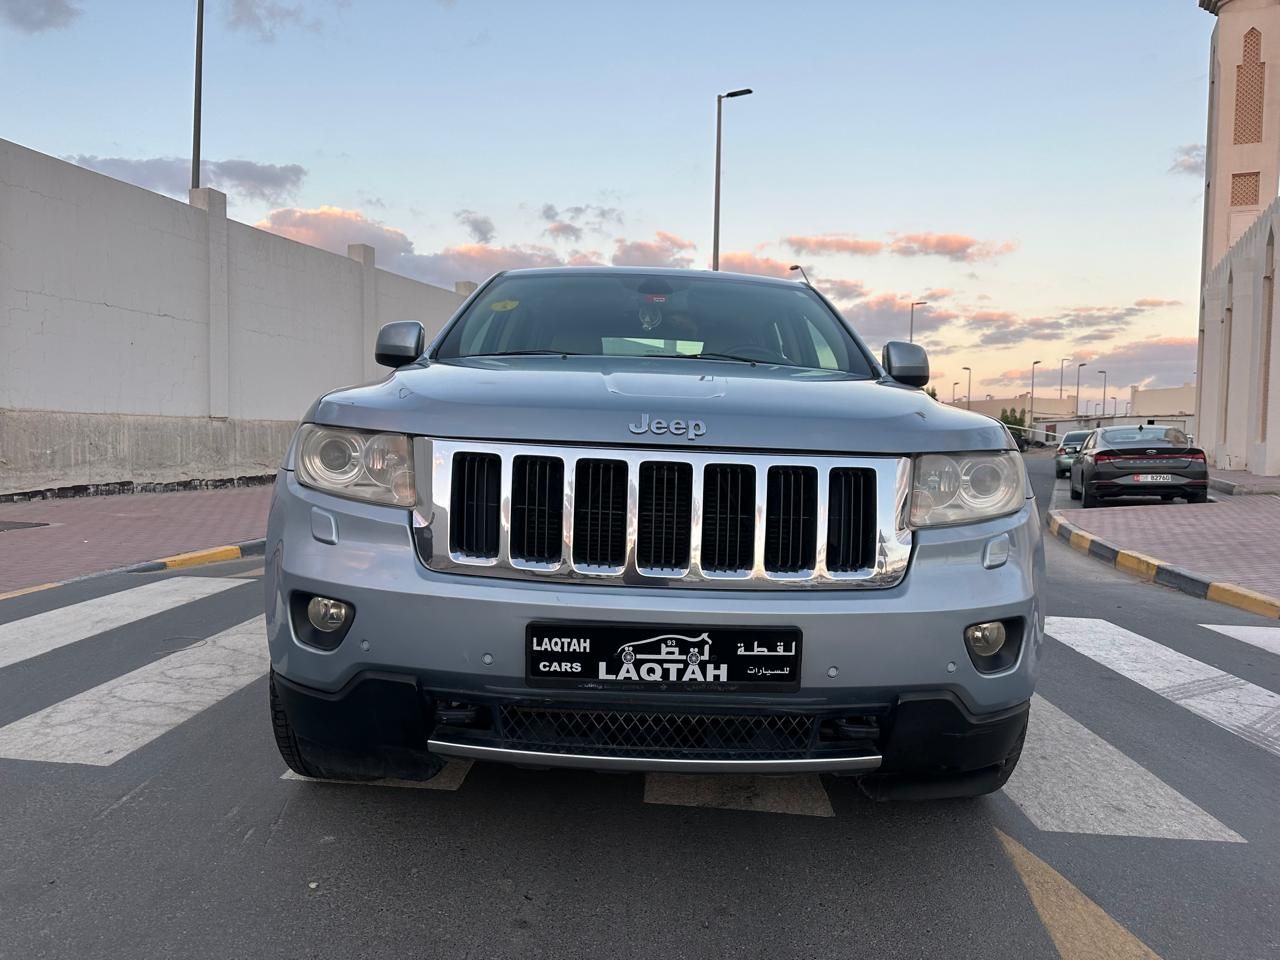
(146, 339)
(1161, 401)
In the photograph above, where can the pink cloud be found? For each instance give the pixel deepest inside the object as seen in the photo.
(739, 261)
(665, 250)
(954, 246)
(1152, 302)
(332, 228)
(841, 290)
(833, 243)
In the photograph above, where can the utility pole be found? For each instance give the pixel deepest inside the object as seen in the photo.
(195, 126)
(911, 331)
(1032, 419)
(715, 228)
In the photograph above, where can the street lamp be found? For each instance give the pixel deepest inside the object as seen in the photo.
(1104, 390)
(968, 403)
(195, 120)
(796, 266)
(911, 333)
(953, 392)
(1086, 409)
(1115, 407)
(715, 230)
(1031, 420)
(1061, 372)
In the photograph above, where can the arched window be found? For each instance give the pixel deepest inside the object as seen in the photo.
(1251, 83)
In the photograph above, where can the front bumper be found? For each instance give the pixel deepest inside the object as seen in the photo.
(444, 646)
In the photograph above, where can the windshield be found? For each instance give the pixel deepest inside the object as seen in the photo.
(1128, 436)
(1075, 439)
(645, 315)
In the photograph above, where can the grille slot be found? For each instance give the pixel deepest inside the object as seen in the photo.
(728, 517)
(851, 505)
(659, 735)
(791, 515)
(600, 513)
(537, 509)
(662, 529)
(473, 531)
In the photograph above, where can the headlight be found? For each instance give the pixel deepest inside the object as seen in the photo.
(364, 466)
(962, 488)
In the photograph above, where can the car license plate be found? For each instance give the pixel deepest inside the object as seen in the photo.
(610, 654)
(1153, 478)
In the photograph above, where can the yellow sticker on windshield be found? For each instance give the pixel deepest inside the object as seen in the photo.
(502, 306)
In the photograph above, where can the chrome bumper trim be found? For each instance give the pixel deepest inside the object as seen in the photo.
(652, 764)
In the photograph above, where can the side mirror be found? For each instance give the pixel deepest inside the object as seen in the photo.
(907, 363)
(400, 343)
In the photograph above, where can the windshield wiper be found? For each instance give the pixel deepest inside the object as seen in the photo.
(708, 356)
(529, 353)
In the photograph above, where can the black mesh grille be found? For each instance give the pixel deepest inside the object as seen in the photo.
(600, 513)
(659, 735)
(791, 519)
(662, 528)
(728, 517)
(537, 509)
(850, 527)
(473, 512)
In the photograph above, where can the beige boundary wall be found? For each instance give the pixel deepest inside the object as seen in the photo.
(149, 340)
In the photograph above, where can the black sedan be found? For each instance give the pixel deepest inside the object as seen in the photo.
(1139, 461)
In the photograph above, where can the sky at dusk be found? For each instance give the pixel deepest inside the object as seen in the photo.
(1033, 170)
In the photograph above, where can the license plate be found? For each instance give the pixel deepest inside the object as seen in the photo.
(1153, 478)
(608, 655)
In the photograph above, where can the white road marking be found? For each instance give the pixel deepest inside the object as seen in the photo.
(1264, 638)
(1060, 499)
(33, 636)
(1070, 780)
(110, 721)
(449, 778)
(1247, 710)
(802, 794)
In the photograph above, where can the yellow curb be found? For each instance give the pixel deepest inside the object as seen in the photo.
(1138, 564)
(26, 590)
(1054, 524)
(1245, 599)
(197, 557)
(1080, 541)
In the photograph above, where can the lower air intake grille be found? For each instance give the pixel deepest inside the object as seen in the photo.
(537, 509)
(850, 524)
(473, 530)
(600, 513)
(728, 517)
(791, 519)
(662, 534)
(659, 735)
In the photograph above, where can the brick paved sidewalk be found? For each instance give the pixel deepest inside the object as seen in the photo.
(90, 534)
(1234, 541)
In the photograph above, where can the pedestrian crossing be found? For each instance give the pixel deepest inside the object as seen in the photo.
(1070, 780)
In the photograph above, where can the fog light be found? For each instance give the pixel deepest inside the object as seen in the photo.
(329, 615)
(985, 639)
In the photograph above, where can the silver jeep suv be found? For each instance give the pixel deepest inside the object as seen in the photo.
(649, 519)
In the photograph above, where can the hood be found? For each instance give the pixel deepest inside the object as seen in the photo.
(615, 401)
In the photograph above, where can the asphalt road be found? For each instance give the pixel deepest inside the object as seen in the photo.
(1146, 811)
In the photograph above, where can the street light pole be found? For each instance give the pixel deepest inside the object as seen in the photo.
(715, 229)
(1115, 407)
(953, 392)
(796, 266)
(195, 126)
(1104, 391)
(1061, 373)
(911, 331)
(968, 397)
(1086, 410)
(1031, 420)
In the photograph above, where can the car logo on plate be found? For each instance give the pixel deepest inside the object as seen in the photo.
(670, 657)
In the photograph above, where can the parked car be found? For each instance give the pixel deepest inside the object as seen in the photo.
(1139, 461)
(640, 519)
(1068, 447)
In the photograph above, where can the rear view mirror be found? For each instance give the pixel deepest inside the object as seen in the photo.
(399, 343)
(907, 363)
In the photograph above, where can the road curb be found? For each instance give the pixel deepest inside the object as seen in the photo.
(195, 558)
(1157, 571)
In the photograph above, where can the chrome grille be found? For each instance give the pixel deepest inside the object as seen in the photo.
(685, 518)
